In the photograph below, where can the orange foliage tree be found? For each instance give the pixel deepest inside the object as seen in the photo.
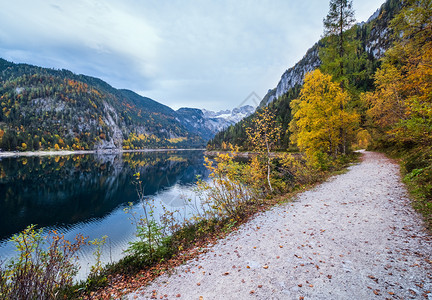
(402, 102)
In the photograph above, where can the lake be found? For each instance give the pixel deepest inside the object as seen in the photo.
(88, 193)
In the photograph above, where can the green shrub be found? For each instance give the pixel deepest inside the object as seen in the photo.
(45, 265)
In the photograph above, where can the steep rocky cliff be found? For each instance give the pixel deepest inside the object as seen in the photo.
(374, 34)
(294, 76)
(374, 37)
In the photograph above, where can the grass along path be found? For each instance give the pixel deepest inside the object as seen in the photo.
(355, 236)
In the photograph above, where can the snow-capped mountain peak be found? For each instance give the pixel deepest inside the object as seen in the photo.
(207, 123)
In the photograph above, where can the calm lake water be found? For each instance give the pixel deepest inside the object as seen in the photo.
(88, 193)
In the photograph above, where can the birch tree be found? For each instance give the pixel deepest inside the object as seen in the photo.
(263, 135)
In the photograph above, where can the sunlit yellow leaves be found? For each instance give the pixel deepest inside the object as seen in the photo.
(363, 140)
(401, 106)
(263, 135)
(177, 140)
(23, 146)
(321, 123)
(228, 187)
(257, 172)
(386, 103)
(141, 141)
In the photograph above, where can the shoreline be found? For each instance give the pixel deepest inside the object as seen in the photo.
(245, 154)
(324, 238)
(78, 152)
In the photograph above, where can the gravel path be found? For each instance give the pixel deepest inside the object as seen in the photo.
(353, 237)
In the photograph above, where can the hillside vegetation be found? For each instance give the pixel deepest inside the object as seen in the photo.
(368, 43)
(44, 109)
(372, 88)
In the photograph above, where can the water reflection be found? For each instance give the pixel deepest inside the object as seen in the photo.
(65, 191)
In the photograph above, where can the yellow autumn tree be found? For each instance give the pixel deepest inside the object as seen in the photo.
(401, 105)
(263, 135)
(321, 123)
(386, 104)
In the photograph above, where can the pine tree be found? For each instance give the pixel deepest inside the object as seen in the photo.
(339, 19)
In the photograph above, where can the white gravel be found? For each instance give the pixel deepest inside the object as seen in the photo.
(353, 237)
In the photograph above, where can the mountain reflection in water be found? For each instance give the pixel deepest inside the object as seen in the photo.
(63, 191)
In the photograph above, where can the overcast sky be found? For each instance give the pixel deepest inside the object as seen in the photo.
(182, 53)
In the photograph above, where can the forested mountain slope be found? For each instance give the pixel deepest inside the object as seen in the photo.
(56, 109)
(372, 38)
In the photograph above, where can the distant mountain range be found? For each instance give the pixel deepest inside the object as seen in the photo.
(44, 108)
(208, 123)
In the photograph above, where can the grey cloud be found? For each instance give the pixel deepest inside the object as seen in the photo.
(209, 54)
